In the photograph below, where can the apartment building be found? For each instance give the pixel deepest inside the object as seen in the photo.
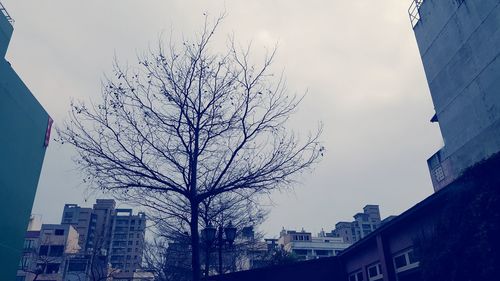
(127, 240)
(364, 223)
(306, 247)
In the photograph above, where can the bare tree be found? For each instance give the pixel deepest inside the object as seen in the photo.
(187, 125)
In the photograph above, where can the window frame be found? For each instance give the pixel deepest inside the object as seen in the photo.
(378, 267)
(406, 256)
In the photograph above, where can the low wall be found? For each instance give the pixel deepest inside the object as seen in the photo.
(321, 269)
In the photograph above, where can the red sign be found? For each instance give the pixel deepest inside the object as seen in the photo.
(47, 132)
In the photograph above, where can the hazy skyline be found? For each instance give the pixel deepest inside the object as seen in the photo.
(358, 61)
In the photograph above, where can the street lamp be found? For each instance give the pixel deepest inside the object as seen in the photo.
(230, 232)
(209, 236)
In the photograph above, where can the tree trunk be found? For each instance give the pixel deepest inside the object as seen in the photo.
(195, 243)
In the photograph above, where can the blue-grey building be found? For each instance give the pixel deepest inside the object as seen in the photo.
(459, 42)
(24, 134)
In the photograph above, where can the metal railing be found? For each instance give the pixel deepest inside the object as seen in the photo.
(6, 14)
(414, 12)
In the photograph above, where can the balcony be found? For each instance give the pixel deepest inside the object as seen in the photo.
(6, 14)
(414, 12)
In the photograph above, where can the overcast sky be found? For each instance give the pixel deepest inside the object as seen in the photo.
(358, 60)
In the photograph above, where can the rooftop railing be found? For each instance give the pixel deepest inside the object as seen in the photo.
(414, 12)
(6, 14)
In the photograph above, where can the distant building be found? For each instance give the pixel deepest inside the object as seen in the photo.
(83, 220)
(24, 136)
(27, 263)
(458, 44)
(55, 243)
(118, 232)
(305, 247)
(363, 224)
(127, 240)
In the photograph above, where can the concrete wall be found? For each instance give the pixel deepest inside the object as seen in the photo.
(459, 44)
(23, 124)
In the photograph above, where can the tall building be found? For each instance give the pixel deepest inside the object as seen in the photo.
(458, 42)
(84, 221)
(127, 240)
(118, 232)
(363, 224)
(24, 135)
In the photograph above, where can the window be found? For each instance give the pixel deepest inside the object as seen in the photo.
(405, 261)
(130, 242)
(78, 266)
(52, 268)
(56, 251)
(120, 236)
(59, 232)
(23, 263)
(356, 276)
(28, 244)
(43, 250)
(322, 252)
(300, 252)
(374, 272)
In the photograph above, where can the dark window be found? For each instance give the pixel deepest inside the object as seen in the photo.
(59, 232)
(52, 268)
(412, 257)
(56, 251)
(359, 276)
(322, 252)
(372, 271)
(400, 261)
(300, 252)
(68, 215)
(77, 266)
(43, 250)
